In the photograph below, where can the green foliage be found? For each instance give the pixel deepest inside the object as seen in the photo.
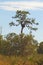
(23, 20)
(21, 49)
(18, 45)
(22, 53)
(40, 48)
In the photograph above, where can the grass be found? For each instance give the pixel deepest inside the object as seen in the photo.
(18, 60)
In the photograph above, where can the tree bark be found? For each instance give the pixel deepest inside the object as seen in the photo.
(21, 30)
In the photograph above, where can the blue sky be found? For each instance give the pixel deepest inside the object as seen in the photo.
(8, 9)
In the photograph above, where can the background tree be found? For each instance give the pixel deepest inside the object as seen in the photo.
(23, 20)
(40, 48)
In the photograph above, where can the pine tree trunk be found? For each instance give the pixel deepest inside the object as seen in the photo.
(21, 30)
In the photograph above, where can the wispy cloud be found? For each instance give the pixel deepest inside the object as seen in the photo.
(21, 5)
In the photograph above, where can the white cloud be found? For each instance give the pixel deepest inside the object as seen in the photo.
(21, 5)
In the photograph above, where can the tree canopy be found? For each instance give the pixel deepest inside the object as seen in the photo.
(23, 20)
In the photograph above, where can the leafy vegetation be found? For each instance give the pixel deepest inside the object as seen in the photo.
(21, 49)
(23, 20)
